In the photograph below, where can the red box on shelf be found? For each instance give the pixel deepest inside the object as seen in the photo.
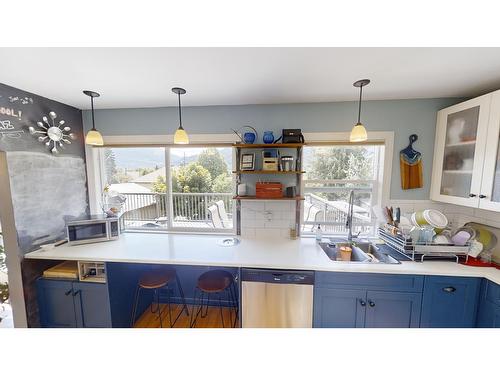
(268, 190)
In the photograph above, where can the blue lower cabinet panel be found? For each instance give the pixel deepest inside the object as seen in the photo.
(492, 292)
(392, 309)
(450, 302)
(339, 308)
(488, 315)
(55, 301)
(92, 305)
(371, 281)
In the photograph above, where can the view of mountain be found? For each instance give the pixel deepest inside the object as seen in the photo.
(152, 157)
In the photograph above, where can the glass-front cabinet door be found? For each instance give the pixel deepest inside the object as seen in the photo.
(459, 152)
(490, 188)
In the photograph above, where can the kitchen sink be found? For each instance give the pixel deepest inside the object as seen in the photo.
(362, 252)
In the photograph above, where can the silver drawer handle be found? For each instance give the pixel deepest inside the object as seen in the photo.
(449, 289)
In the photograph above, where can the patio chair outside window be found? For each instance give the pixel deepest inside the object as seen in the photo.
(215, 217)
(226, 222)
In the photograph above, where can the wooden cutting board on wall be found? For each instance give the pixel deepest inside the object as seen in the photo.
(410, 164)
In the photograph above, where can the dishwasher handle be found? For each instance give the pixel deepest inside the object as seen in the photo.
(277, 276)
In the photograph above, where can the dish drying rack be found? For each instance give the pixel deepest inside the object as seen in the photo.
(418, 251)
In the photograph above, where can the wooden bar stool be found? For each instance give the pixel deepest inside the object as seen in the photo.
(214, 282)
(156, 280)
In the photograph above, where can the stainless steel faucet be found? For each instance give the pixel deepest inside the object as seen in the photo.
(350, 214)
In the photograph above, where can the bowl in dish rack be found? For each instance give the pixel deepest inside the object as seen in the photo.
(433, 218)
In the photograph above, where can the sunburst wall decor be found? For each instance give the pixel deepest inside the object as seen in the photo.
(53, 134)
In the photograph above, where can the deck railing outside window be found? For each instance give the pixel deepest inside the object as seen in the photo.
(326, 203)
(150, 210)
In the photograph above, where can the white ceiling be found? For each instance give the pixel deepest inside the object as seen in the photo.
(143, 77)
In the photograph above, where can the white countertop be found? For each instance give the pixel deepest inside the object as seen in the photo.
(303, 254)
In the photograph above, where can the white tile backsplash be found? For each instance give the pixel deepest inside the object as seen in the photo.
(267, 218)
(274, 219)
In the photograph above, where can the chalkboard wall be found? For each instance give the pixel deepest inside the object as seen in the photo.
(47, 189)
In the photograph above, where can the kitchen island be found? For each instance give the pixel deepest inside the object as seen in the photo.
(408, 294)
(206, 250)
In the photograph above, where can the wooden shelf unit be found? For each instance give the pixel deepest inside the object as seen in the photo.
(253, 197)
(268, 145)
(268, 172)
(297, 177)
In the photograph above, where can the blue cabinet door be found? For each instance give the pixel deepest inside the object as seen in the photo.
(392, 309)
(450, 302)
(92, 305)
(55, 301)
(339, 308)
(488, 315)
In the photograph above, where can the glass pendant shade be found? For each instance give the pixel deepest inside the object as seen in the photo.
(181, 137)
(358, 133)
(94, 138)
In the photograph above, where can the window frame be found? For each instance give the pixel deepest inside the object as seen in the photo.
(96, 172)
(383, 186)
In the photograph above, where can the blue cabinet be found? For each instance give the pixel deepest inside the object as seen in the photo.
(351, 300)
(392, 309)
(489, 305)
(56, 304)
(72, 304)
(92, 305)
(339, 308)
(450, 302)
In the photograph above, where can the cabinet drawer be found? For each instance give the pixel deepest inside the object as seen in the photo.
(493, 292)
(344, 280)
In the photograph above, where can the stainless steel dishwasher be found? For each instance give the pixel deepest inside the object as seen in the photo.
(276, 298)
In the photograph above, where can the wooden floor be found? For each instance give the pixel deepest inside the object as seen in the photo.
(212, 320)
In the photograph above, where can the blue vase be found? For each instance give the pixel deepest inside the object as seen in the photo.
(268, 137)
(249, 138)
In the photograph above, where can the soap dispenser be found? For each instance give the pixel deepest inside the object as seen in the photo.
(319, 233)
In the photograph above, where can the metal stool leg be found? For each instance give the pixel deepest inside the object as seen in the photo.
(235, 306)
(134, 308)
(157, 294)
(204, 315)
(231, 303)
(220, 310)
(192, 320)
(234, 289)
(181, 292)
(151, 307)
(169, 309)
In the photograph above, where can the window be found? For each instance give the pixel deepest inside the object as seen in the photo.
(193, 194)
(331, 173)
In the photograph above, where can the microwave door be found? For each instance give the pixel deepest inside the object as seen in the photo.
(87, 232)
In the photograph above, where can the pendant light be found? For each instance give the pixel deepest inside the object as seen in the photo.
(180, 136)
(358, 132)
(93, 137)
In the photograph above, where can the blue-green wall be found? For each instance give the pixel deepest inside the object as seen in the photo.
(404, 117)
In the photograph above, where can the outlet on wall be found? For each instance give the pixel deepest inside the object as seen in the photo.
(268, 215)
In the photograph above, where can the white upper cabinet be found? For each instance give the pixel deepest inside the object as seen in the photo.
(490, 186)
(466, 169)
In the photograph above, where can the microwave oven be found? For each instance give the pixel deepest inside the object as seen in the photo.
(93, 229)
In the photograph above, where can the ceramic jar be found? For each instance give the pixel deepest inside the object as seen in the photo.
(268, 137)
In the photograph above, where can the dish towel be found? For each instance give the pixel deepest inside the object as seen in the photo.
(411, 170)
